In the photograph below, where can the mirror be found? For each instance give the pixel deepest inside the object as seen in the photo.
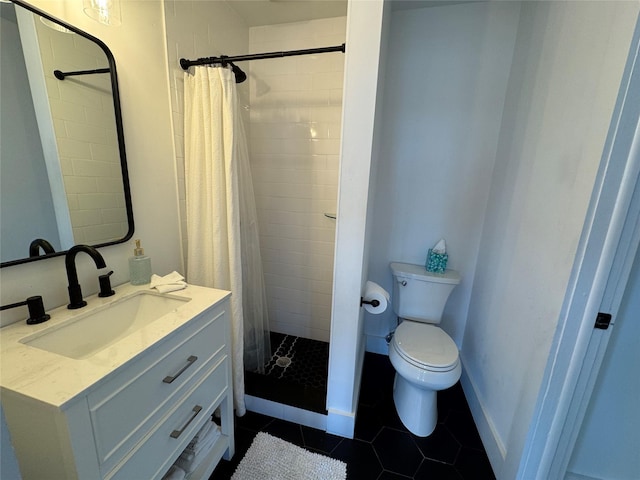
(63, 167)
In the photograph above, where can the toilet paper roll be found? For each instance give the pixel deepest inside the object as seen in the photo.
(373, 291)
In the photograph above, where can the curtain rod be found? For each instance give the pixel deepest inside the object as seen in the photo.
(61, 75)
(223, 59)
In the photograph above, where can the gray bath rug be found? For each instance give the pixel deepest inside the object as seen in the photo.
(271, 458)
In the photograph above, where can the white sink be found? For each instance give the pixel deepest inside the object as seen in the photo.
(93, 331)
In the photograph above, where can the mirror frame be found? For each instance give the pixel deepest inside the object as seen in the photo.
(119, 130)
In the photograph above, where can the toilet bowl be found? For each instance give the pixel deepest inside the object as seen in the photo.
(425, 358)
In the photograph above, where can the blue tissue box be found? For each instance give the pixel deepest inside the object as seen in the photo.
(436, 262)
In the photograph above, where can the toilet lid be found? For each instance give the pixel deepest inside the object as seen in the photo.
(426, 345)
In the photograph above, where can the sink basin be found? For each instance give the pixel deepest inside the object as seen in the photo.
(93, 331)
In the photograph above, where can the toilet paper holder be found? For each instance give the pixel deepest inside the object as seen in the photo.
(373, 303)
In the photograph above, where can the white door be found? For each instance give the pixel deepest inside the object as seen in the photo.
(608, 444)
(605, 257)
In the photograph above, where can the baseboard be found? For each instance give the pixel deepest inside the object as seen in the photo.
(341, 423)
(376, 345)
(577, 476)
(286, 412)
(492, 442)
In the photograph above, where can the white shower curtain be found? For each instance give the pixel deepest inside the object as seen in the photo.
(223, 248)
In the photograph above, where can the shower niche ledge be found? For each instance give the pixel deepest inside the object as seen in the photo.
(125, 410)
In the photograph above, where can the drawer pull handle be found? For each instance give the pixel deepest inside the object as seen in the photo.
(190, 361)
(196, 411)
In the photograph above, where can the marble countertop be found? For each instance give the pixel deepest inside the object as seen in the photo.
(56, 379)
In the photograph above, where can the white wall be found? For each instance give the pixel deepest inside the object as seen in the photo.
(139, 49)
(567, 66)
(445, 86)
(197, 29)
(295, 111)
(609, 441)
(365, 39)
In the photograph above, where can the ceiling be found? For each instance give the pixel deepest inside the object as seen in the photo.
(409, 4)
(272, 12)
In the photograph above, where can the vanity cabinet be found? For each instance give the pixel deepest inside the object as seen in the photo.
(134, 422)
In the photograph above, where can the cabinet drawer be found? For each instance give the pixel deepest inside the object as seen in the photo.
(152, 457)
(127, 406)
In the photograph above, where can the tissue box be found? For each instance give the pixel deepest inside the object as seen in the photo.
(436, 262)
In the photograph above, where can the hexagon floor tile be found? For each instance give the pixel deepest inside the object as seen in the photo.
(382, 449)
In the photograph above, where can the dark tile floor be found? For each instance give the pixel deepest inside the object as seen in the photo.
(383, 449)
(296, 374)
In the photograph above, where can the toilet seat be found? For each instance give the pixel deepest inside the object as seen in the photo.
(426, 346)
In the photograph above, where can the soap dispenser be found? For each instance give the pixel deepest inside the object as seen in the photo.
(139, 266)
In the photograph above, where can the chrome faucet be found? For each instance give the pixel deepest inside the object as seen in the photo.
(75, 292)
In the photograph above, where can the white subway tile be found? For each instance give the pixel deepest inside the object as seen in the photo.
(72, 201)
(70, 92)
(105, 152)
(327, 80)
(335, 130)
(67, 110)
(328, 113)
(53, 92)
(335, 97)
(295, 147)
(109, 185)
(103, 233)
(114, 215)
(83, 132)
(90, 201)
(83, 218)
(78, 235)
(80, 185)
(91, 168)
(319, 130)
(299, 130)
(71, 148)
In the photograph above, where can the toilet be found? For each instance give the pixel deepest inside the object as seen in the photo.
(425, 358)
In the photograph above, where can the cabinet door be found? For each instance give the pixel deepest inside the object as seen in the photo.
(127, 407)
(171, 436)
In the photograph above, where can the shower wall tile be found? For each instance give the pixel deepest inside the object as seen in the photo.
(327, 80)
(295, 116)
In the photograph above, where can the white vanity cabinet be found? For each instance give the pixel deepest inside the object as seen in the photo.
(134, 422)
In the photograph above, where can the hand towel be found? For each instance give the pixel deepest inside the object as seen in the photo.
(169, 283)
(191, 457)
(204, 442)
(175, 473)
(202, 433)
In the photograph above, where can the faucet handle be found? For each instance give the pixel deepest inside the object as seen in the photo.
(105, 285)
(35, 305)
(37, 313)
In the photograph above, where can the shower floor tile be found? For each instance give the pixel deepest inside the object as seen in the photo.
(295, 375)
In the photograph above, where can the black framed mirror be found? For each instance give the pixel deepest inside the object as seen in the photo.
(63, 167)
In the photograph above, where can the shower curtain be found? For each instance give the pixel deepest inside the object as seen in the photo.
(223, 248)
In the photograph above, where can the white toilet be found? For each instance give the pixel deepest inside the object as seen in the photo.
(424, 356)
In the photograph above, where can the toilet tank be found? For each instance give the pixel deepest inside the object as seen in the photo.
(420, 295)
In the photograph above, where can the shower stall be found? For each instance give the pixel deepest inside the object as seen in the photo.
(292, 108)
(295, 123)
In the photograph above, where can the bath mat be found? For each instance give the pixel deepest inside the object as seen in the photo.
(271, 458)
